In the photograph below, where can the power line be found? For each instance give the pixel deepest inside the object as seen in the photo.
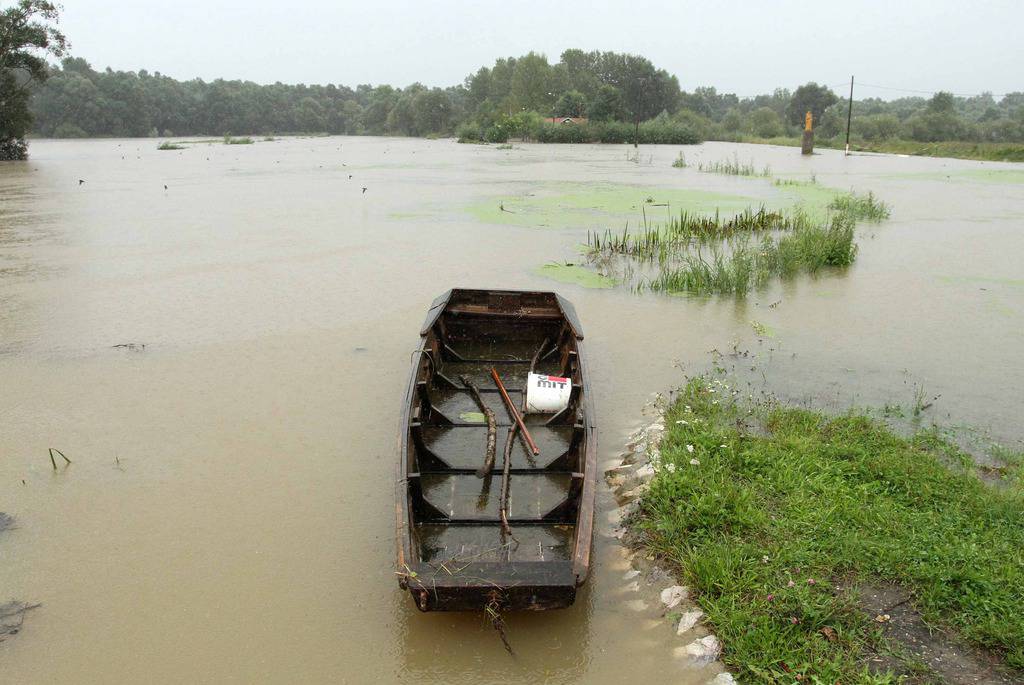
(843, 84)
(930, 92)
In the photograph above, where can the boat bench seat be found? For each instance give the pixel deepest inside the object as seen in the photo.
(448, 544)
(464, 447)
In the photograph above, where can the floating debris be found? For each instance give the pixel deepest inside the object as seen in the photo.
(12, 616)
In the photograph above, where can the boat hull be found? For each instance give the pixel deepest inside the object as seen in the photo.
(517, 535)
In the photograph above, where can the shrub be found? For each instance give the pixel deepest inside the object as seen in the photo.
(13, 149)
(469, 132)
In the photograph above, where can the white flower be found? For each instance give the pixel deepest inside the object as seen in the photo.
(671, 468)
(695, 462)
(689, 448)
(683, 422)
(723, 446)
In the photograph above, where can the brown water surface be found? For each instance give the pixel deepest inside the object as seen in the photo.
(228, 516)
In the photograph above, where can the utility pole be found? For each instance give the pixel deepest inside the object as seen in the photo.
(849, 115)
(636, 112)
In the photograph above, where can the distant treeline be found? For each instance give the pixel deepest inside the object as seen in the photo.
(613, 91)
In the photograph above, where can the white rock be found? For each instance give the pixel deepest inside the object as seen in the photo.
(705, 650)
(722, 679)
(631, 574)
(644, 473)
(618, 469)
(635, 493)
(633, 587)
(672, 596)
(688, 621)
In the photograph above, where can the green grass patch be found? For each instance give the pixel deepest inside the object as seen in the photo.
(246, 140)
(170, 146)
(576, 274)
(775, 528)
(861, 207)
(796, 181)
(680, 161)
(733, 167)
(749, 264)
(661, 242)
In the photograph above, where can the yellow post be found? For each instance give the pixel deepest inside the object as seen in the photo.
(807, 148)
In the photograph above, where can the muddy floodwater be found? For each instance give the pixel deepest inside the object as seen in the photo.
(228, 515)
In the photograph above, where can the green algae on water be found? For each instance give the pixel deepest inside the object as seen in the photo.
(569, 205)
(576, 275)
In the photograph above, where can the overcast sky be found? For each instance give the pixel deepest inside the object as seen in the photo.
(741, 47)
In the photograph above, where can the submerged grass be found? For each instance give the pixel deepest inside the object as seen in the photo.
(170, 146)
(807, 248)
(866, 207)
(733, 167)
(776, 528)
(662, 241)
(813, 180)
(228, 140)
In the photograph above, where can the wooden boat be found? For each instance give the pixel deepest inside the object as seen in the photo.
(455, 552)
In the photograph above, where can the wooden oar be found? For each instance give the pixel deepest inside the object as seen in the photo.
(514, 412)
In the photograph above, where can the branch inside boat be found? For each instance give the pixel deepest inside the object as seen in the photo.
(492, 430)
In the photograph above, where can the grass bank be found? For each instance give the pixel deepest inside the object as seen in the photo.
(778, 517)
(991, 152)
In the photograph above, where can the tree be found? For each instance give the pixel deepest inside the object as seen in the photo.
(479, 86)
(431, 111)
(607, 104)
(572, 104)
(765, 123)
(645, 90)
(580, 70)
(26, 29)
(707, 102)
(530, 83)
(942, 103)
(309, 116)
(811, 98)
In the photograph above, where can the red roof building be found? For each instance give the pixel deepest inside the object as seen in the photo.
(566, 120)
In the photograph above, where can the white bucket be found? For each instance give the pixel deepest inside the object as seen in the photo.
(547, 394)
